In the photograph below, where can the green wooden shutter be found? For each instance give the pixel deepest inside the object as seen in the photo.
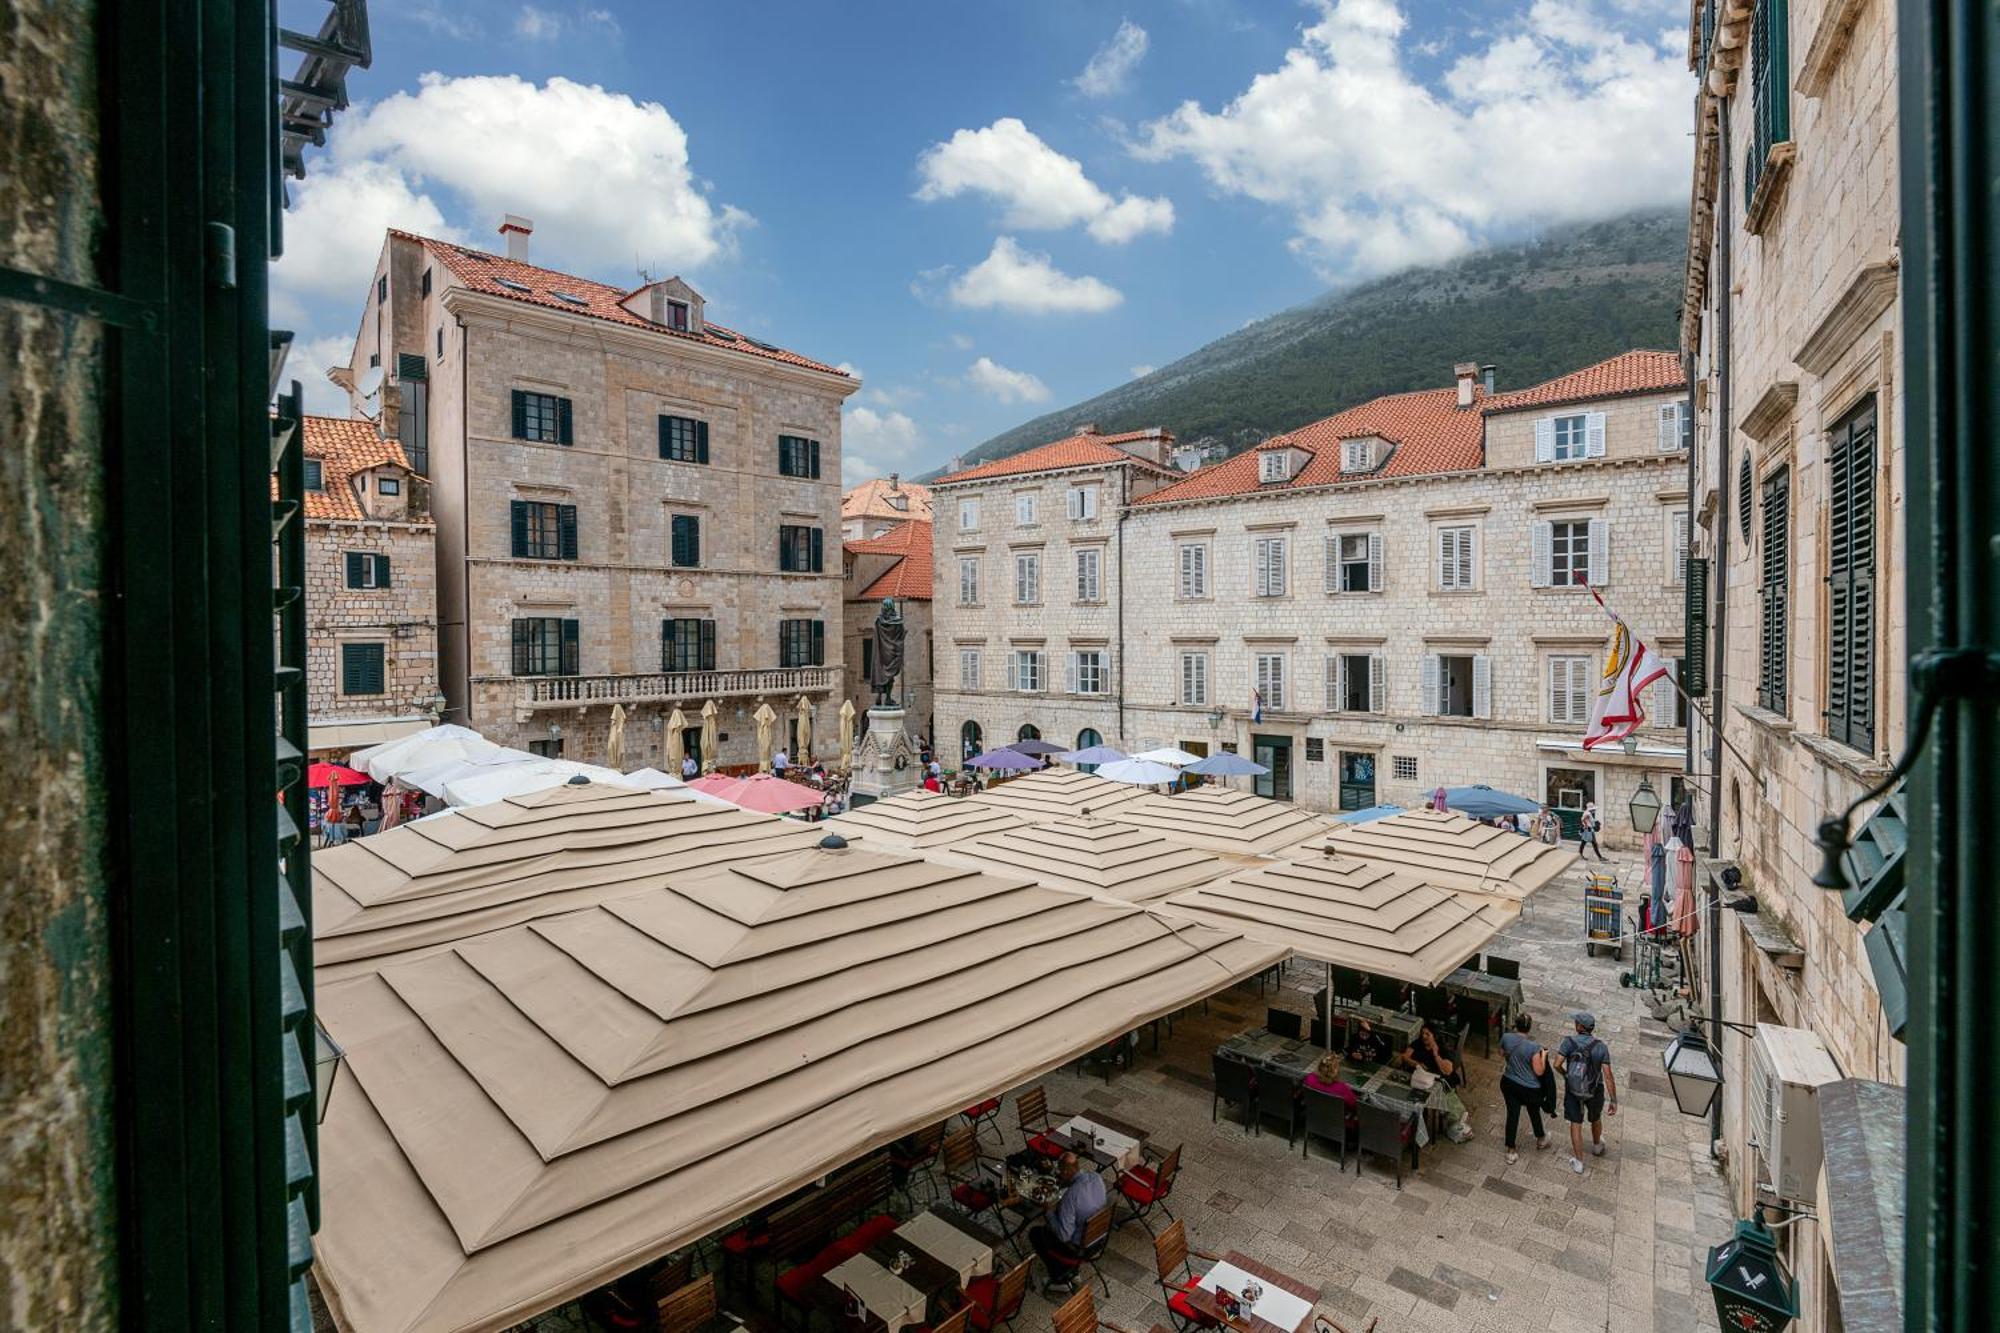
(1850, 710)
(784, 549)
(520, 414)
(566, 521)
(1774, 636)
(522, 647)
(667, 638)
(814, 446)
(381, 571)
(572, 649)
(354, 568)
(664, 429)
(818, 551)
(520, 508)
(563, 433)
(819, 643)
(708, 645)
(701, 441)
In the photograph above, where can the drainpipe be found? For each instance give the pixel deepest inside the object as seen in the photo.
(1124, 498)
(464, 573)
(1725, 425)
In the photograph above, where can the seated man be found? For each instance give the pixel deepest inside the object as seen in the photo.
(1059, 1239)
(1368, 1045)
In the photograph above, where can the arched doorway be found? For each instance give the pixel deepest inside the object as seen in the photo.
(969, 742)
(1028, 732)
(1084, 740)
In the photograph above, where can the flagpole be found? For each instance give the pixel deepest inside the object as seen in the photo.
(1674, 679)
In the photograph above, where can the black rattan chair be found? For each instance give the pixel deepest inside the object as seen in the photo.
(1233, 1084)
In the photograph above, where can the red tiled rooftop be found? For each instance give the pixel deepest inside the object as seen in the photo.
(1628, 372)
(1084, 449)
(910, 576)
(871, 500)
(482, 272)
(1427, 429)
(344, 448)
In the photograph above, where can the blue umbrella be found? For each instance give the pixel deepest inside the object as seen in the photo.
(1484, 802)
(1007, 759)
(1095, 754)
(1225, 765)
(1372, 812)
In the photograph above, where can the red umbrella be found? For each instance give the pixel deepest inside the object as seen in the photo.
(322, 773)
(760, 792)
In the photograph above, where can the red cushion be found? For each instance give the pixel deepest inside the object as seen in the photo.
(873, 1230)
(1179, 1303)
(987, 1107)
(972, 1198)
(743, 1240)
(1046, 1146)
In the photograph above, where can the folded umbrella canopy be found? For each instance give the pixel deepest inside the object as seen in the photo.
(1094, 754)
(1008, 760)
(1484, 802)
(1226, 765)
(499, 782)
(1167, 754)
(1139, 772)
(433, 745)
(1369, 815)
(760, 792)
(322, 773)
(1036, 747)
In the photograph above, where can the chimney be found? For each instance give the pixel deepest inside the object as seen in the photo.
(1487, 372)
(1467, 372)
(1088, 428)
(517, 230)
(895, 481)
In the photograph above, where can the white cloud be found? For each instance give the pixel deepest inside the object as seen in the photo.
(1008, 386)
(333, 231)
(1140, 372)
(871, 442)
(1010, 278)
(961, 342)
(308, 363)
(537, 25)
(1559, 116)
(1114, 62)
(1042, 189)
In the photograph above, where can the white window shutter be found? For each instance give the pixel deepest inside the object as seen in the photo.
(1433, 685)
(1333, 563)
(1377, 666)
(1669, 427)
(1336, 683)
(1542, 559)
(1663, 696)
(1677, 573)
(1482, 686)
(1593, 434)
(1069, 674)
(1278, 569)
(1263, 564)
(1558, 689)
(1600, 552)
(1579, 690)
(1447, 559)
(1374, 562)
(1013, 671)
(1545, 440)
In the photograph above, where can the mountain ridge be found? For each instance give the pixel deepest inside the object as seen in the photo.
(1536, 309)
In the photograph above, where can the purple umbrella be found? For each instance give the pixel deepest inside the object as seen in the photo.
(1036, 747)
(1004, 759)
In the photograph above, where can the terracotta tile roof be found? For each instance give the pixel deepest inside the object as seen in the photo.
(908, 577)
(871, 500)
(1430, 433)
(1084, 449)
(482, 273)
(344, 448)
(1628, 372)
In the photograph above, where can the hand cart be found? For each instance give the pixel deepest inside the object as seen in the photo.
(1603, 913)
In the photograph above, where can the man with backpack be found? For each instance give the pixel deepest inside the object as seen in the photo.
(1585, 1064)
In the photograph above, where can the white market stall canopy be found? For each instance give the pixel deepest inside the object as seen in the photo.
(1356, 914)
(1093, 856)
(1059, 793)
(537, 1110)
(1450, 851)
(1222, 819)
(921, 819)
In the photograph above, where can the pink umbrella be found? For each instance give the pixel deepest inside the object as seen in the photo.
(760, 792)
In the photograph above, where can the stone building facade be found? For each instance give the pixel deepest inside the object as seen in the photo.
(1392, 600)
(1793, 314)
(371, 589)
(636, 506)
(879, 506)
(895, 564)
(1026, 612)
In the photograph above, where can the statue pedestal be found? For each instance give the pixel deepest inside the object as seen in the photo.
(885, 762)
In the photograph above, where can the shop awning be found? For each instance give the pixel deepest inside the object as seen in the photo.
(1059, 793)
(347, 733)
(1222, 819)
(1093, 856)
(532, 1112)
(1354, 913)
(920, 819)
(1449, 851)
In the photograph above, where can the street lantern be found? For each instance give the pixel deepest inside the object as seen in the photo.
(1693, 1073)
(1753, 1290)
(328, 1057)
(1645, 806)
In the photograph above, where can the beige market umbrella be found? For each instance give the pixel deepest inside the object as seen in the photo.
(614, 744)
(708, 742)
(1220, 819)
(805, 755)
(1450, 851)
(676, 747)
(763, 717)
(847, 735)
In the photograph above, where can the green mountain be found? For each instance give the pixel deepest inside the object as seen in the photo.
(1535, 310)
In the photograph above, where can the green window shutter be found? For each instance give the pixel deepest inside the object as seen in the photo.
(361, 668)
(701, 441)
(522, 646)
(708, 645)
(818, 551)
(815, 459)
(355, 570)
(520, 414)
(819, 643)
(572, 649)
(665, 428)
(784, 548)
(667, 639)
(566, 518)
(520, 516)
(381, 571)
(784, 455)
(563, 432)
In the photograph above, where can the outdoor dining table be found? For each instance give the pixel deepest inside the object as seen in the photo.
(1384, 1087)
(950, 1240)
(888, 1301)
(1504, 993)
(1285, 1306)
(1114, 1145)
(1400, 1026)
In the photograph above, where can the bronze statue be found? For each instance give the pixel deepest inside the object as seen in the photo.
(888, 653)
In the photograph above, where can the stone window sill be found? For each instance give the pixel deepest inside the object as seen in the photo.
(1777, 724)
(1865, 769)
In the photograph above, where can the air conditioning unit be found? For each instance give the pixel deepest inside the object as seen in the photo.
(1788, 1068)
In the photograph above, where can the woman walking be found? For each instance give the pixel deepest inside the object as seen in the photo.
(1521, 1084)
(1586, 832)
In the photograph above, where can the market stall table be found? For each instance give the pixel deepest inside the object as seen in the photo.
(1285, 1304)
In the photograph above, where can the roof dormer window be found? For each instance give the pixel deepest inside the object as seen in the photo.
(677, 316)
(1274, 466)
(315, 475)
(1357, 455)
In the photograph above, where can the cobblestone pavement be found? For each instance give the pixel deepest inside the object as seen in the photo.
(1470, 1243)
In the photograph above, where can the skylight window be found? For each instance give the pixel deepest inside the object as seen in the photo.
(570, 297)
(514, 286)
(714, 332)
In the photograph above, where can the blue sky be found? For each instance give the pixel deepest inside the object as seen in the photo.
(988, 210)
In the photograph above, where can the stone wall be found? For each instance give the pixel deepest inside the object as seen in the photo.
(401, 617)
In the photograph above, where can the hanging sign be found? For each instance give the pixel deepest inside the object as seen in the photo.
(1753, 1291)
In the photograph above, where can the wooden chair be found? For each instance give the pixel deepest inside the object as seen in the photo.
(670, 1275)
(1177, 1278)
(985, 1115)
(687, 1309)
(1147, 1187)
(962, 1175)
(1078, 1314)
(1031, 1112)
(997, 1300)
(955, 1322)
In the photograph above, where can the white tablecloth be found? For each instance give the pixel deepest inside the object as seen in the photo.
(1122, 1149)
(895, 1302)
(1276, 1305)
(948, 1245)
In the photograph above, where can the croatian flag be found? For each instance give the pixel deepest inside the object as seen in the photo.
(1619, 708)
(1256, 705)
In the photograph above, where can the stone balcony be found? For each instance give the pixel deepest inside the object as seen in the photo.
(535, 693)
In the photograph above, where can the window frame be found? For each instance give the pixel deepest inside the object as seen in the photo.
(801, 643)
(1268, 674)
(1567, 704)
(970, 668)
(683, 439)
(1086, 663)
(1197, 659)
(534, 644)
(543, 530)
(1082, 503)
(798, 456)
(1019, 660)
(1466, 556)
(686, 651)
(1271, 566)
(968, 513)
(1192, 574)
(801, 549)
(968, 587)
(1027, 578)
(1027, 509)
(348, 651)
(676, 525)
(1090, 585)
(542, 418)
